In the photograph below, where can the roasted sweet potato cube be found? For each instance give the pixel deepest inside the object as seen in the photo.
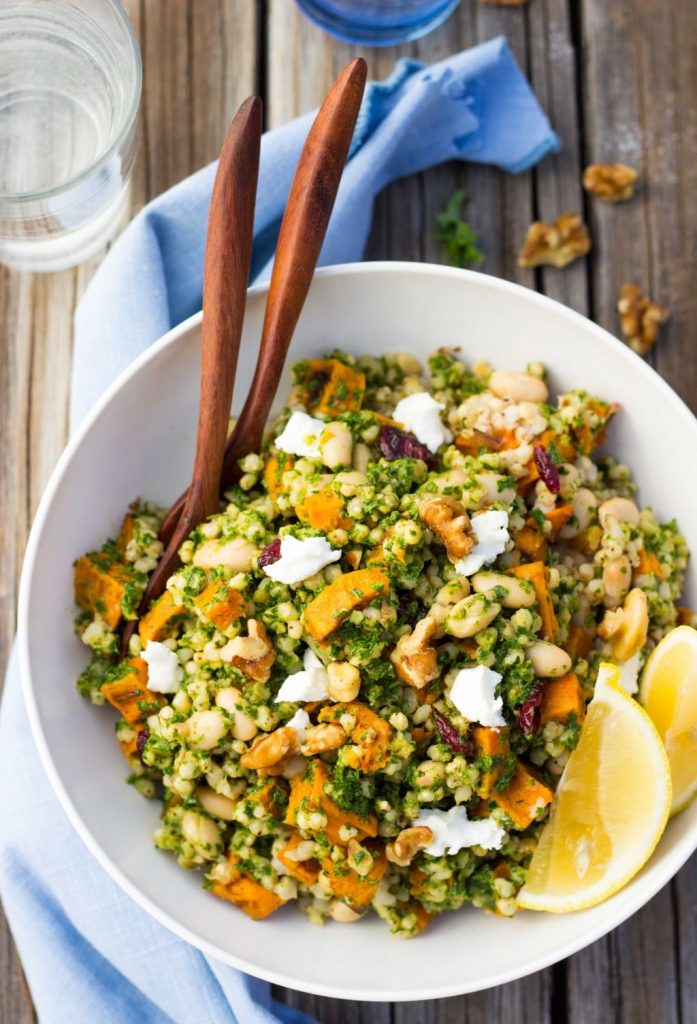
(327, 611)
(126, 534)
(305, 871)
(349, 886)
(307, 793)
(371, 734)
(127, 738)
(579, 643)
(343, 387)
(161, 620)
(559, 517)
(247, 894)
(273, 798)
(562, 698)
(100, 586)
(274, 469)
(649, 564)
(531, 543)
(491, 744)
(537, 574)
(130, 695)
(218, 603)
(591, 434)
(323, 511)
(524, 797)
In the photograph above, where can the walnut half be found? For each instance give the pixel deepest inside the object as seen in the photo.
(447, 518)
(253, 654)
(555, 245)
(640, 318)
(414, 658)
(613, 183)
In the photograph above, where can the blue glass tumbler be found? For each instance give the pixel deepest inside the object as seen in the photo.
(377, 22)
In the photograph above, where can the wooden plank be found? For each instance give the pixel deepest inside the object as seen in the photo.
(553, 74)
(640, 61)
(197, 71)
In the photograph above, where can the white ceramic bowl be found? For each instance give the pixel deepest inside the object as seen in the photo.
(139, 441)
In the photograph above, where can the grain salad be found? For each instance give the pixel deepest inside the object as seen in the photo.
(360, 689)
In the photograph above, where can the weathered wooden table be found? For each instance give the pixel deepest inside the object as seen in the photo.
(618, 79)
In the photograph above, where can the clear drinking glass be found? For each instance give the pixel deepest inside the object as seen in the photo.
(70, 80)
(377, 22)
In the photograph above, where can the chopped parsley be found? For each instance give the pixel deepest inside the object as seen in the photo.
(458, 237)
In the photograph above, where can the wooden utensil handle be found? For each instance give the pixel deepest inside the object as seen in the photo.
(304, 225)
(228, 257)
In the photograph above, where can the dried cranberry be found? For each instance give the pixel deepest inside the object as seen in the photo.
(449, 734)
(398, 444)
(546, 468)
(140, 743)
(271, 553)
(529, 713)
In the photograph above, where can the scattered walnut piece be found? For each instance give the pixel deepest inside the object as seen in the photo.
(253, 654)
(639, 318)
(614, 183)
(447, 518)
(408, 843)
(414, 659)
(626, 628)
(555, 245)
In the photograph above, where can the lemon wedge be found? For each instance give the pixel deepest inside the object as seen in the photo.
(669, 695)
(610, 809)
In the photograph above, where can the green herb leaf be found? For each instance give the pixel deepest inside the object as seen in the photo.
(458, 237)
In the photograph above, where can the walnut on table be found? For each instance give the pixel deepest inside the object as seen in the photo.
(555, 245)
(613, 183)
(640, 318)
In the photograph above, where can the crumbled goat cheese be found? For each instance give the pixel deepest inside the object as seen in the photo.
(299, 722)
(310, 683)
(491, 530)
(301, 559)
(420, 414)
(164, 671)
(473, 694)
(629, 673)
(452, 831)
(301, 436)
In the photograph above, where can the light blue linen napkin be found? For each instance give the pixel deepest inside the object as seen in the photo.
(88, 951)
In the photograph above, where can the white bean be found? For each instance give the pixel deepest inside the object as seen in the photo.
(237, 554)
(202, 833)
(520, 593)
(518, 387)
(617, 578)
(471, 615)
(622, 509)
(336, 445)
(228, 698)
(217, 805)
(206, 729)
(243, 726)
(584, 504)
(361, 457)
(548, 660)
(342, 913)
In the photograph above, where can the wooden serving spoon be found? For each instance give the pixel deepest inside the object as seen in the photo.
(310, 203)
(227, 262)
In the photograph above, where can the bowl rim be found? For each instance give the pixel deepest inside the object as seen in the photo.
(684, 846)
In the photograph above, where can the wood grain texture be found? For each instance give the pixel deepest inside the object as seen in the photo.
(197, 72)
(617, 80)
